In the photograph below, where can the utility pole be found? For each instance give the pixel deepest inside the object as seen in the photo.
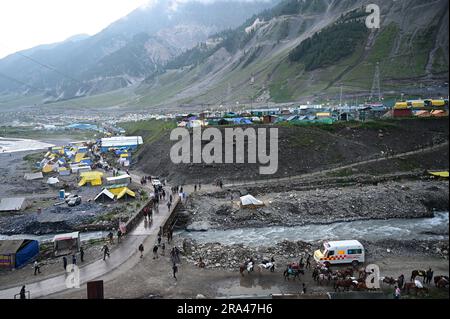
(376, 87)
(340, 98)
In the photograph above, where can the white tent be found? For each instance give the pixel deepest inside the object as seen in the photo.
(104, 194)
(53, 181)
(250, 201)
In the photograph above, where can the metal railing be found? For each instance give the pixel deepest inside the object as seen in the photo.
(27, 293)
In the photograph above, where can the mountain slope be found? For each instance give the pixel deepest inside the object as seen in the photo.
(298, 50)
(255, 66)
(126, 52)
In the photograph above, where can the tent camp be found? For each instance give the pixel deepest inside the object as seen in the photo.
(104, 196)
(248, 201)
(11, 204)
(17, 253)
(123, 193)
(94, 178)
(65, 244)
(122, 180)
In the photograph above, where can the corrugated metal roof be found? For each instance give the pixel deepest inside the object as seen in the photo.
(33, 176)
(11, 204)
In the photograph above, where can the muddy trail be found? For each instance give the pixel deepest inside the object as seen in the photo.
(304, 150)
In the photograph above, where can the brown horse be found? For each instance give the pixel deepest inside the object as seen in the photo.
(418, 273)
(390, 281)
(441, 281)
(412, 286)
(244, 267)
(346, 284)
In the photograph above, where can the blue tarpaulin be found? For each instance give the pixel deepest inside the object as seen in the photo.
(28, 253)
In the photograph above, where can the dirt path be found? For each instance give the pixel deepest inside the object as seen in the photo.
(154, 278)
(123, 259)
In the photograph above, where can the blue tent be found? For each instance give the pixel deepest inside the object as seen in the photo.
(27, 254)
(18, 253)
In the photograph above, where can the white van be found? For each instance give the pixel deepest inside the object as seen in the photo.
(341, 252)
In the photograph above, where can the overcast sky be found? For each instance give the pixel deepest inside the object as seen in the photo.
(27, 23)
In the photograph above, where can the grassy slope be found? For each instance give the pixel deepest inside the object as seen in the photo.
(150, 130)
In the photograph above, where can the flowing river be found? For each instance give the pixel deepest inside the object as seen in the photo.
(435, 228)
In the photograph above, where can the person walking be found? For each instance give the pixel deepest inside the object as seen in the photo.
(141, 250)
(37, 268)
(155, 251)
(308, 262)
(159, 240)
(195, 187)
(82, 254)
(163, 249)
(175, 270)
(23, 293)
(119, 236)
(304, 289)
(111, 237)
(177, 255)
(169, 204)
(65, 262)
(74, 260)
(397, 293)
(105, 250)
(199, 186)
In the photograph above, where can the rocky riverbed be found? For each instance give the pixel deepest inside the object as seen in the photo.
(229, 257)
(402, 199)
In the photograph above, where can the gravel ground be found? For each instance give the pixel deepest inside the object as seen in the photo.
(408, 199)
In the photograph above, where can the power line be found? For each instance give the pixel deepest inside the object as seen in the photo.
(18, 81)
(51, 68)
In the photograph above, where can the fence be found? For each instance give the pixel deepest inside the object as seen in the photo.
(136, 218)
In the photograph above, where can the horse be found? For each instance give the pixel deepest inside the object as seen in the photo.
(418, 273)
(412, 286)
(292, 272)
(269, 265)
(247, 266)
(323, 278)
(344, 283)
(390, 281)
(441, 281)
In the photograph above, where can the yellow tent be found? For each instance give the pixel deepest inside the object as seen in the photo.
(47, 168)
(79, 157)
(122, 191)
(401, 105)
(418, 103)
(95, 178)
(439, 174)
(124, 155)
(438, 102)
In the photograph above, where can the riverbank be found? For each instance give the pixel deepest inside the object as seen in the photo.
(323, 205)
(151, 278)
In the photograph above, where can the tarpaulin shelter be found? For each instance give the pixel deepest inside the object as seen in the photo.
(443, 174)
(104, 196)
(65, 244)
(94, 178)
(79, 157)
(248, 201)
(123, 192)
(17, 253)
(53, 181)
